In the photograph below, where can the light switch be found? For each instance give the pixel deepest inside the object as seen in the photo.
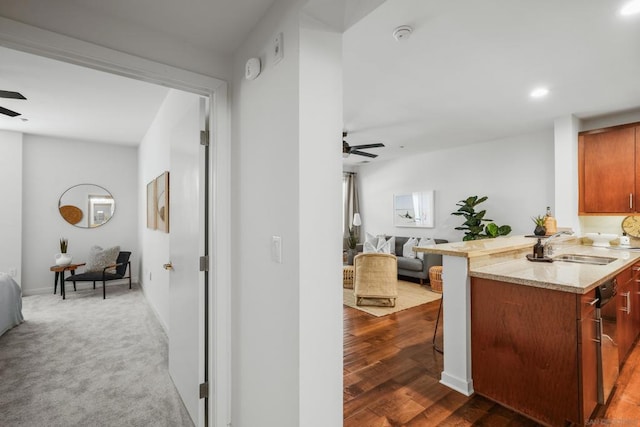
(276, 249)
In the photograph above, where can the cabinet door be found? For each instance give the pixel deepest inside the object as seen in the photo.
(635, 299)
(609, 173)
(588, 355)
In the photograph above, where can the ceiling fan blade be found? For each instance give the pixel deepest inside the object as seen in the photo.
(356, 147)
(8, 112)
(362, 153)
(12, 95)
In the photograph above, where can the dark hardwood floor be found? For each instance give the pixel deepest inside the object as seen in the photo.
(391, 374)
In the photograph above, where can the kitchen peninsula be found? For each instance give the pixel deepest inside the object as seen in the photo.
(528, 328)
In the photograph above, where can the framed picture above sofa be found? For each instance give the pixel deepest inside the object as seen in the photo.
(414, 209)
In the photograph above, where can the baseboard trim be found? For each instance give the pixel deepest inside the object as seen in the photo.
(458, 384)
(79, 285)
(153, 310)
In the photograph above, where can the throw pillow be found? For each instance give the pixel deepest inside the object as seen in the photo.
(392, 245)
(407, 248)
(100, 258)
(368, 248)
(425, 242)
(368, 237)
(383, 246)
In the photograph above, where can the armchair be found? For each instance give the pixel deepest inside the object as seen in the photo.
(121, 266)
(375, 276)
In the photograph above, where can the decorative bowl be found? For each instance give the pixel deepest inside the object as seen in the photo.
(601, 239)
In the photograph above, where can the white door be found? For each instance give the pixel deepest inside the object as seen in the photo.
(187, 237)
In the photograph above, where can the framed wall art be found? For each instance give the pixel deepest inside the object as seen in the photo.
(414, 209)
(151, 205)
(162, 202)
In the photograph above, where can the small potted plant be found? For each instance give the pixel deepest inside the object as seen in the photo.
(63, 258)
(539, 221)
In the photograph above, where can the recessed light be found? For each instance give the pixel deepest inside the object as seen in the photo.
(630, 8)
(540, 92)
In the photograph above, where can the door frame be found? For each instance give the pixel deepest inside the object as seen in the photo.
(26, 38)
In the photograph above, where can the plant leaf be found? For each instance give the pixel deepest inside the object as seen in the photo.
(504, 230)
(491, 229)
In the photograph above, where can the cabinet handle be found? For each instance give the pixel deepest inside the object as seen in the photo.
(627, 309)
(635, 268)
(631, 201)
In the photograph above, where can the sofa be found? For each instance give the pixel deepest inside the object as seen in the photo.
(412, 267)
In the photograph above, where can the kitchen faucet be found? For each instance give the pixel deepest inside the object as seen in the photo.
(548, 249)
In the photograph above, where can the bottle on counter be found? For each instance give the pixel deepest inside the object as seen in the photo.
(550, 223)
(538, 250)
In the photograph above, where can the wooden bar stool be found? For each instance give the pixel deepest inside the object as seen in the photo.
(435, 278)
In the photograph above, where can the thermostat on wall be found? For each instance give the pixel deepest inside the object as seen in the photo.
(252, 69)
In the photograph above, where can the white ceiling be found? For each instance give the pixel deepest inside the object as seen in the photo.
(215, 26)
(69, 101)
(465, 73)
(462, 77)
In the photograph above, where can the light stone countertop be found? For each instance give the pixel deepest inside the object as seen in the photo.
(476, 248)
(515, 268)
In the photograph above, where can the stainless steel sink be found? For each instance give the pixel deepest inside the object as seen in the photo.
(584, 259)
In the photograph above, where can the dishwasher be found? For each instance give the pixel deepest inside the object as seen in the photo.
(607, 344)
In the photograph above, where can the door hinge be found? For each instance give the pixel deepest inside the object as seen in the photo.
(204, 263)
(204, 138)
(204, 390)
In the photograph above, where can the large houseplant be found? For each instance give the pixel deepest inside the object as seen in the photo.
(473, 225)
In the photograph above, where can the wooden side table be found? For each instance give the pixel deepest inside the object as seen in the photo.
(59, 270)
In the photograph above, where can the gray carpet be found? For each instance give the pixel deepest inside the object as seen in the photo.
(86, 361)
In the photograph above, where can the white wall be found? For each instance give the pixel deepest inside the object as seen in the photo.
(154, 158)
(53, 165)
(286, 180)
(11, 196)
(517, 174)
(265, 294)
(320, 192)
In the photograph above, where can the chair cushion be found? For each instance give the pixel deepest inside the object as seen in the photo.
(92, 276)
(412, 264)
(100, 258)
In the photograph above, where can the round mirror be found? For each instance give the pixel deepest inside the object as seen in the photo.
(86, 205)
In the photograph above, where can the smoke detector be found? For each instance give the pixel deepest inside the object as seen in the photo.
(402, 32)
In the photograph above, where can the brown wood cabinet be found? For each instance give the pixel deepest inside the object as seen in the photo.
(609, 170)
(533, 350)
(587, 361)
(635, 295)
(627, 304)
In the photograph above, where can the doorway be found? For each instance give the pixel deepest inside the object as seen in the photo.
(102, 59)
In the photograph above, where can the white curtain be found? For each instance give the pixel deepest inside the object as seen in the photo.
(350, 205)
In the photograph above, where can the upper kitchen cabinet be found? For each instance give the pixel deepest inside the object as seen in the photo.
(609, 170)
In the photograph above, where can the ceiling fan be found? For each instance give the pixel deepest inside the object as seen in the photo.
(347, 149)
(10, 95)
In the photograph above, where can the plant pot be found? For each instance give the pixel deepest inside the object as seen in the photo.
(63, 259)
(539, 230)
(351, 253)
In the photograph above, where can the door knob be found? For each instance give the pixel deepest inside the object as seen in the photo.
(167, 266)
